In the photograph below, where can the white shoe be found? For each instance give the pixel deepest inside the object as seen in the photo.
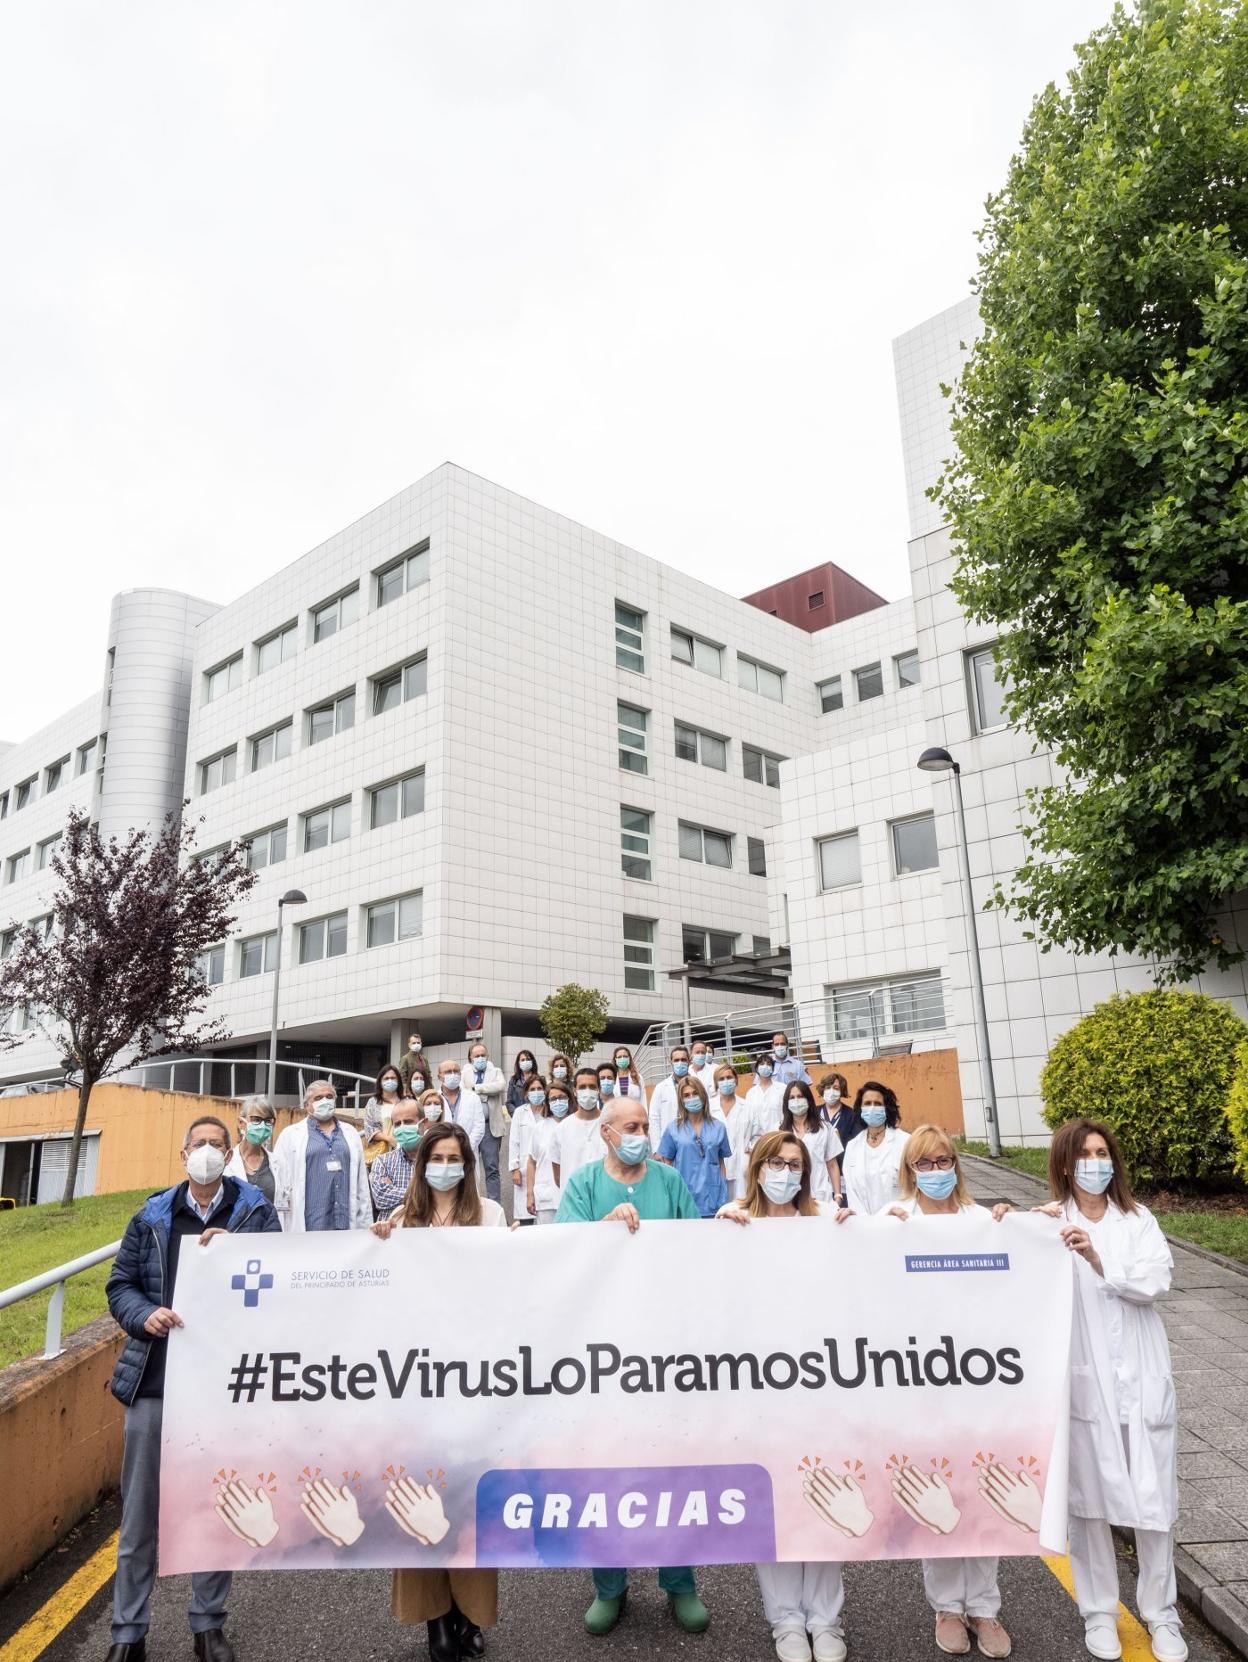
(1168, 1643)
(829, 1646)
(793, 1647)
(1100, 1636)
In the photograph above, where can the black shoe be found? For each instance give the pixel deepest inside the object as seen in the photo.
(443, 1639)
(213, 1646)
(129, 1650)
(471, 1638)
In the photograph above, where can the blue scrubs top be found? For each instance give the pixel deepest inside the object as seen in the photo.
(696, 1153)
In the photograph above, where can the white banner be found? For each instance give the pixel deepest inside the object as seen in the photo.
(564, 1395)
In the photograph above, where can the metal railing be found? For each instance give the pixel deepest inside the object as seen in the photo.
(252, 1073)
(56, 1279)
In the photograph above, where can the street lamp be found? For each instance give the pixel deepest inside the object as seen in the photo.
(292, 897)
(936, 760)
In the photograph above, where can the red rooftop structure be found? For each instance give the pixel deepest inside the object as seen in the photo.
(813, 599)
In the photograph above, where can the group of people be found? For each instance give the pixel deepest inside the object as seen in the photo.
(587, 1146)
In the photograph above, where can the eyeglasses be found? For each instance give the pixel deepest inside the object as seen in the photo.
(776, 1164)
(942, 1163)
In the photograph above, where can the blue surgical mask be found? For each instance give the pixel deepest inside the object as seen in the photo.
(765, 1070)
(873, 1114)
(727, 1087)
(445, 1177)
(559, 1073)
(680, 1069)
(633, 1150)
(433, 1111)
(479, 1062)
(586, 1099)
(1094, 1176)
(606, 1087)
(391, 1084)
(937, 1185)
(781, 1186)
(451, 1081)
(692, 1105)
(831, 1098)
(525, 1065)
(536, 1098)
(699, 1058)
(559, 1106)
(622, 1063)
(780, 1052)
(407, 1136)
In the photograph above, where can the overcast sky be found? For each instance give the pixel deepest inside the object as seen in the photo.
(642, 262)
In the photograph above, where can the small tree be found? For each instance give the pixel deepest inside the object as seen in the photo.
(118, 979)
(572, 1018)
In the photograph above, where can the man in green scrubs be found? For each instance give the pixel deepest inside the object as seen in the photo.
(625, 1186)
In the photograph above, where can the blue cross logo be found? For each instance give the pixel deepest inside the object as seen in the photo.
(251, 1284)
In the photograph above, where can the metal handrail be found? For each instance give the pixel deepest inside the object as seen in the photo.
(305, 1072)
(56, 1279)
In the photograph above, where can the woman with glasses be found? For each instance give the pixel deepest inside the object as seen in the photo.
(963, 1592)
(798, 1598)
(250, 1160)
(800, 1118)
(871, 1169)
(699, 1147)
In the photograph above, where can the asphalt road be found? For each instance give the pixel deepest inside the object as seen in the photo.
(345, 1616)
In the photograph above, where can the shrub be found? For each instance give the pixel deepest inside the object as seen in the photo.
(1158, 1066)
(573, 1018)
(1237, 1110)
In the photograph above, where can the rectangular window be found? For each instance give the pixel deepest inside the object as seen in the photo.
(695, 745)
(273, 746)
(55, 775)
(323, 938)
(266, 848)
(762, 943)
(16, 866)
(639, 954)
(276, 648)
(224, 678)
(632, 724)
(760, 678)
(86, 756)
(630, 638)
(814, 600)
(831, 696)
(756, 852)
(25, 793)
(697, 842)
(218, 770)
(257, 955)
(907, 667)
(332, 615)
(868, 682)
(396, 686)
(914, 844)
(761, 766)
(335, 715)
(839, 864)
(326, 825)
(693, 650)
(46, 850)
(705, 946)
(878, 1011)
(396, 799)
(4, 805)
(388, 921)
(635, 829)
(987, 689)
(42, 925)
(211, 966)
(408, 572)
(7, 937)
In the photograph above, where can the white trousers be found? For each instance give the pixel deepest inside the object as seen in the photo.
(1094, 1564)
(963, 1586)
(801, 1596)
(546, 1214)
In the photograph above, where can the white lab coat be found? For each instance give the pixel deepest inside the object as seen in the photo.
(705, 1077)
(289, 1160)
(469, 1112)
(1120, 1376)
(523, 1120)
(491, 1091)
(766, 1105)
(740, 1124)
(626, 1085)
(822, 1145)
(870, 1174)
(662, 1109)
(543, 1140)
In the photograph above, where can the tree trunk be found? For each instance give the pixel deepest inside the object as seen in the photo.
(71, 1176)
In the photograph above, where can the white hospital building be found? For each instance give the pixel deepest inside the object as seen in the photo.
(499, 751)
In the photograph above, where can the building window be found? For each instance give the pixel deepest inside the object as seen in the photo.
(46, 850)
(907, 667)
(987, 689)
(257, 955)
(814, 600)
(878, 1011)
(868, 682)
(7, 937)
(4, 805)
(323, 938)
(631, 726)
(705, 946)
(408, 572)
(762, 943)
(42, 925)
(756, 854)
(332, 615)
(388, 921)
(326, 825)
(17, 866)
(335, 715)
(630, 638)
(54, 775)
(86, 756)
(397, 799)
(760, 678)
(396, 686)
(761, 766)
(273, 746)
(914, 844)
(639, 954)
(830, 695)
(266, 848)
(223, 679)
(697, 842)
(693, 745)
(839, 863)
(211, 966)
(274, 649)
(25, 793)
(218, 770)
(635, 828)
(692, 649)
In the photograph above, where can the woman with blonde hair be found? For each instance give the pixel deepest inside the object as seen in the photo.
(699, 1147)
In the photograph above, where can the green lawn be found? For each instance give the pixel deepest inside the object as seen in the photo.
(1034, 1161)
(37, 1238)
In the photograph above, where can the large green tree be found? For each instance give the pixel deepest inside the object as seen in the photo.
(1097, 495)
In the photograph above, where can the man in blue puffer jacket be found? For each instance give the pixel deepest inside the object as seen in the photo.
(140, 1296)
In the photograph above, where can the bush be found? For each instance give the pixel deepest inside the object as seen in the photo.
(573, 1018)
(1158, 1066)
(1237, 1110)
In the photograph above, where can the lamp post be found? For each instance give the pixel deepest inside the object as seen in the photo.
(292, 897)
(936, 760)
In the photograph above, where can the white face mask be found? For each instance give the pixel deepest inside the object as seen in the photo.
(414, 1044)
(324, 1107)
(205, 1164)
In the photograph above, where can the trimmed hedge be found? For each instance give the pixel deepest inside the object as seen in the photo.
(1158, 1067)
(1237, 1110)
